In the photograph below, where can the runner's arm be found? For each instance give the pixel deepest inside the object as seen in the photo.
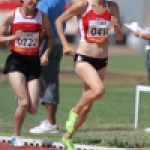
(49, 33)
(115, 19)
(145, 33)
(4, 27)
(77, 9)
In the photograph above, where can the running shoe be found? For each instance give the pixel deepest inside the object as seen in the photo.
(68, 144)
(17, 142)
(70, 123)
(45, 127)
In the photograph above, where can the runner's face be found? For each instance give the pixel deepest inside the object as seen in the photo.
(30, 4)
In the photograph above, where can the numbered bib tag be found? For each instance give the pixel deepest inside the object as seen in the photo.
(28, 40)
(98, 28)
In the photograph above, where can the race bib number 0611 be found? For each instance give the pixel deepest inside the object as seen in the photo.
(28, 40)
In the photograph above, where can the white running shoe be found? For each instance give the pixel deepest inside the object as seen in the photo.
(17, 142)
(45, 127)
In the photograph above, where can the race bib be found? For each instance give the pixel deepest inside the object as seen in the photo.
(98, 29)
(28, 40)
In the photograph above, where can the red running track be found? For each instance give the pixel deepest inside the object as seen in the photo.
(7, 146)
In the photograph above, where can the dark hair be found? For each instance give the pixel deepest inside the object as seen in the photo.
(21, 1)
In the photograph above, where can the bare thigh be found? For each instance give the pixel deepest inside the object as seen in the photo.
(89, 76)
(87, 87)
(102, 73)
(19, 85)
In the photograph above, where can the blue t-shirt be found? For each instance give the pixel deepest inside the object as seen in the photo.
(53, 9)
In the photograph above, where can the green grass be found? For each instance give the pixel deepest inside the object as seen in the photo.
(116, 62)
(127, 62)
(110, 122)
(3, 56)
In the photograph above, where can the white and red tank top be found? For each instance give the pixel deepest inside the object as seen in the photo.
(93, 28)
(30, 41)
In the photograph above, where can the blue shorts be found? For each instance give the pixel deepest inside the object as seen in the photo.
(49, 79)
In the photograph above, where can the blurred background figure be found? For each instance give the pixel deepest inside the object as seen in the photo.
(49, 79)
(145, 35)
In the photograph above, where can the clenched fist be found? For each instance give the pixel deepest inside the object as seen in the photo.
(114, 21)
(18, 34)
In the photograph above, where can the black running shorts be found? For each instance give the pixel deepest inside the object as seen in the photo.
(28, 65)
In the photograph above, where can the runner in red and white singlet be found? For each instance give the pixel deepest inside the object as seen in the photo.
(95, 18)
(93, 27)
(30, 40)
(23, 65)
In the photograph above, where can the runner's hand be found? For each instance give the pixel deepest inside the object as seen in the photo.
(44, 60)
(137, 33)
(114, 21)
(18, 34)
(68, 51)
(145, 28)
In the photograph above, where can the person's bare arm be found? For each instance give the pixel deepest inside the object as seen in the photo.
(145, 34)
(49, 33)
(77, 9)
(4, 27)
(115, 19)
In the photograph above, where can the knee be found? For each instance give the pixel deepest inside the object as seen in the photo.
(99, 92)
(33, 106)
(24, 105)
(32, 111)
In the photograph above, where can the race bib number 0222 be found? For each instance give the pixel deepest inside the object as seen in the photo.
(28, 40)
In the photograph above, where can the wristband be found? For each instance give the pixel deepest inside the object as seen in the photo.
(66, 47)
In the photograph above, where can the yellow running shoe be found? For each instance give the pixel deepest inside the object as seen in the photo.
(70, 123)
(68, 144)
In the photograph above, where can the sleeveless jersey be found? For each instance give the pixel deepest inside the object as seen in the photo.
(31, 29)
(93, 28)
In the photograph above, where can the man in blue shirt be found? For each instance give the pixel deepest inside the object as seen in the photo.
(50, 73)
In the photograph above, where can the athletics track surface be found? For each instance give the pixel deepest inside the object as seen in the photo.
(7, 146)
